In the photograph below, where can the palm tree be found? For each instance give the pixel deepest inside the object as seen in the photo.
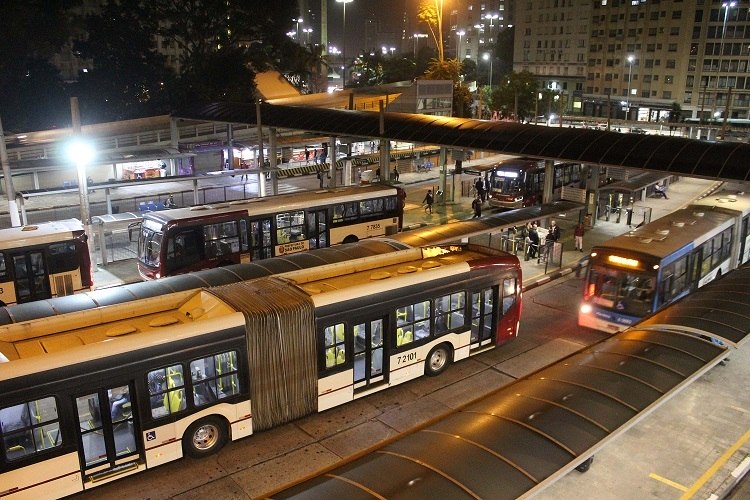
(431, 13)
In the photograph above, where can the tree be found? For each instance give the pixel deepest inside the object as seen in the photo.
(368, 69)
(430, 12)
(398, 69)
(468, 70)
(514, 97)
(33, 93)
(451, 70)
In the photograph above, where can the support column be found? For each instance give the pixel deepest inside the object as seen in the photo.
(549, 180)
(261, 159)
(442, 160)
(174, 140)
(592, 193)
(230, 148)
(332, 172)
(273, 160)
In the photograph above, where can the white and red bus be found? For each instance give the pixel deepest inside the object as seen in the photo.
(182, 240)
(519, 182)
(96, 394)
(44, 260)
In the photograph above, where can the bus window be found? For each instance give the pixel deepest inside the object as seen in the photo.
(166, 389)
(61, 257)
(29, 428)
(221, 239)
(214, 377)
(412, 322)
(3, 268)
(150, 246)
(334, 345)
(290, 227)
(509, 294)
(449, 312)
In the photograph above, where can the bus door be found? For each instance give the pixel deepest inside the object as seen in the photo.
(261, 246)
(317, 228)
(107, 432)
(370, 358)
(482, 318)
(32, 279)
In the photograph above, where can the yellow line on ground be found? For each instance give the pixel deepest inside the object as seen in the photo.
(668, 482)
(716, 466)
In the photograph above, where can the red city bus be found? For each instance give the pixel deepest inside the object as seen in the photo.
(182, 240)
(45, 260)
(519, 182)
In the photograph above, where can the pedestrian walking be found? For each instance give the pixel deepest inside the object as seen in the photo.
(477, 206)
(320, 178)
(307, 156)
(428, 200)
(479, 187)
(578, 234)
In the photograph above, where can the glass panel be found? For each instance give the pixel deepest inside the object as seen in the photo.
(91, 430)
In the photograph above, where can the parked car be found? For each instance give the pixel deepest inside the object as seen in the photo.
(637, 130)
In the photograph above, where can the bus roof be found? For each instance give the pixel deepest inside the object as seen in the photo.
(507, 163)
(668, 234)
(36, 234)
(278, 203)
(728, 198)
(178, 315)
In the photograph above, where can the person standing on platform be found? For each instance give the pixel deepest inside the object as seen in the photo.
(307, 156)
(578, 235)
(477, 206)
(428, 200)
(396, 173)
(479, 187)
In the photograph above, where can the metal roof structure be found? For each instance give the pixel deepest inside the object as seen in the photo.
(520, 439)
(676, 155)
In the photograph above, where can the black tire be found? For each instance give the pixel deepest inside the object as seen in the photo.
(585, 465)
(351, 239)
(205, 437)
(438, 360)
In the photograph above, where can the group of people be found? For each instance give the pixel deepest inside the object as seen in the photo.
(318, 156)
(533, 241)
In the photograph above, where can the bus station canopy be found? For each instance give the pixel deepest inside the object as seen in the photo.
(522, 438)
(674, 155)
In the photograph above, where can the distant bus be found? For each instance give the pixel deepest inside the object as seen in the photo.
(642, 271)
(41, 261)
(93, 395)
(519, 182)
(182, 240)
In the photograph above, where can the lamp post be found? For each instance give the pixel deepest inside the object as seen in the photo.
(726, 6)
(491, 17)
(460, 34)
(631, 58)
(298, 21)
(486, 57)
(307, 32)
(343, 45)
(417, 36)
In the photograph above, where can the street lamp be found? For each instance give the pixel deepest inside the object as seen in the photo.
(491, 17)
(343, 45)
(392, 49)
(726, 6)
(298, 20)
(417, 36)
(307, 32)
(458, 48)
(486, 57)
(631, 58)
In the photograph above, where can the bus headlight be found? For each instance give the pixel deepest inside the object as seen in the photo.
(585, 308)
(519, 198)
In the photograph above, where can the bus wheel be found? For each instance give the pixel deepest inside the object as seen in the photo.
(584, 466)
(204, 437)
(350, 239)
(438, 360)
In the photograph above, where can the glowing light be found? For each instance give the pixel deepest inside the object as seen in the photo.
(586, 308)
(623, 261)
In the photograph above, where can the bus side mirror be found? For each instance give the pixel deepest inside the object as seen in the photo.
(134, 228)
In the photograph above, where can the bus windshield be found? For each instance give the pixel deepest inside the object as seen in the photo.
(621, 291)
(507, 185)
(149, 247)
